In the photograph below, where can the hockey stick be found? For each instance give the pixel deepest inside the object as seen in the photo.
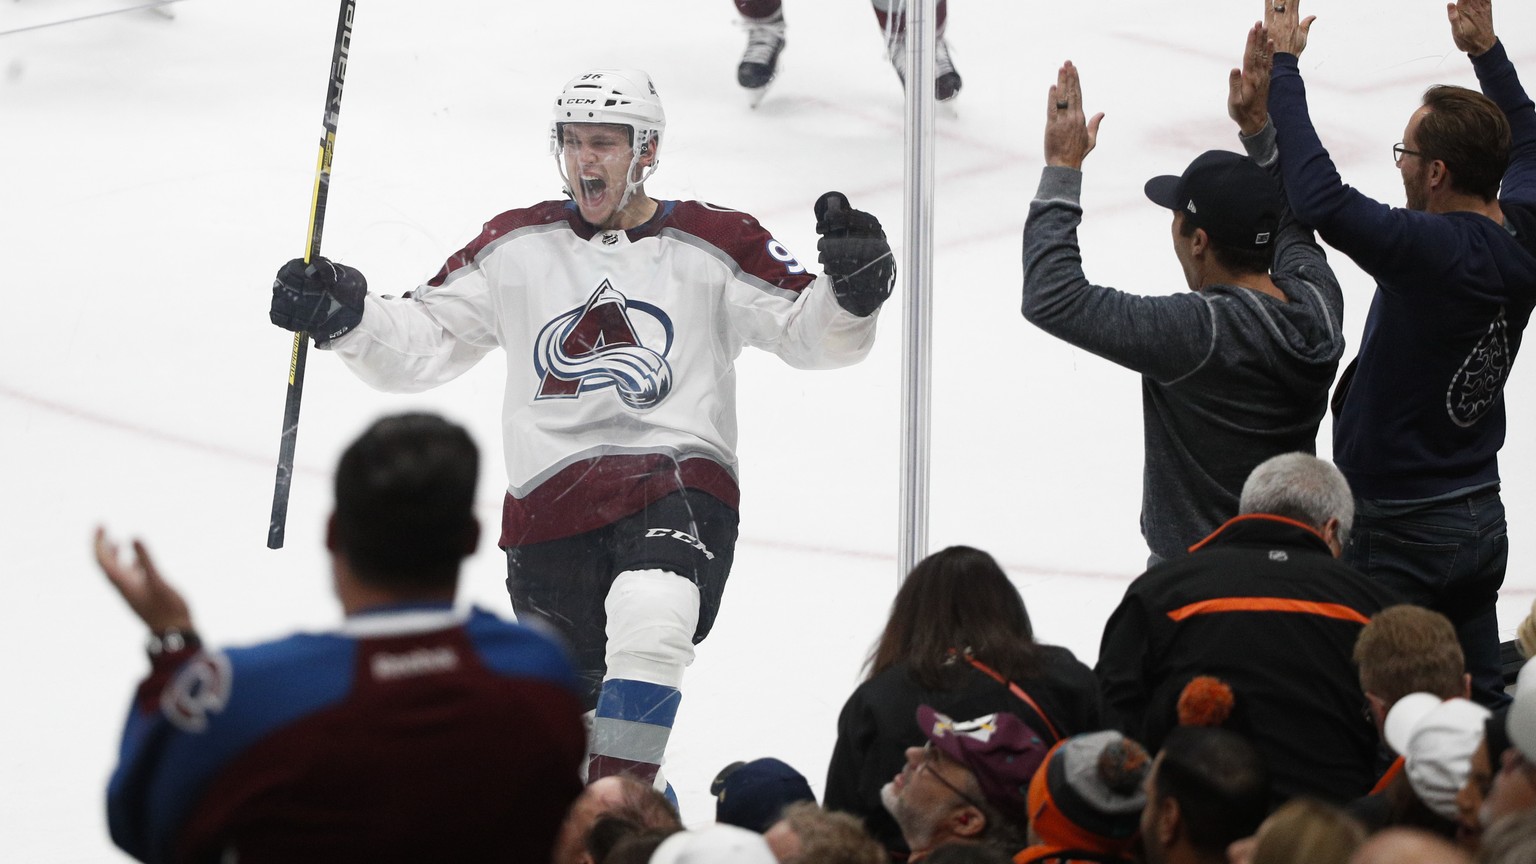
(278, 525)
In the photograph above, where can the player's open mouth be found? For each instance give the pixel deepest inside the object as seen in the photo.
(592, 188)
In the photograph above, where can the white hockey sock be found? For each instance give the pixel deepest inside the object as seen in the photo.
(651, 618)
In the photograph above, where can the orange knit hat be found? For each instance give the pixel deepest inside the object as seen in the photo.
(1088, 795)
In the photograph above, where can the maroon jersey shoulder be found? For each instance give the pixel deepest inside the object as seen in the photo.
(756, 252)
(543, 213)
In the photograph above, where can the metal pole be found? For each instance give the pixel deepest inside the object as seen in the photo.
(917, 306)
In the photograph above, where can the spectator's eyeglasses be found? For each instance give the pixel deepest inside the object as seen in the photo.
(1399, 151)
(931, 764)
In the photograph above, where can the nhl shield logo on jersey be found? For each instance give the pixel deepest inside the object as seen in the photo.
(605, 344)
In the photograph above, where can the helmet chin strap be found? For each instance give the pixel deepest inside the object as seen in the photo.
(632, 183)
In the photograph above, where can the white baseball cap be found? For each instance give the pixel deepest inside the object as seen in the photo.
(714, 844)
(1436, 739)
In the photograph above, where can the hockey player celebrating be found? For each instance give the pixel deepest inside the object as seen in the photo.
(620, 316)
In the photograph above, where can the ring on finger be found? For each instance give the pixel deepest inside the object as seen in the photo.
(1061, 104)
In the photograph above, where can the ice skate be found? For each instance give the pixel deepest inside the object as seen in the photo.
(946, 81)
(760, 60)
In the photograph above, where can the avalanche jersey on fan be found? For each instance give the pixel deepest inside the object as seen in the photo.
(620, 349)
(412, 734)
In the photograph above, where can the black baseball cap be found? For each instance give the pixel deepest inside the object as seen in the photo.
(753, 795)
(1227, 194)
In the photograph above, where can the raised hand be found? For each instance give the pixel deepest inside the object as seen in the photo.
(855, 256)
(159, 605)
(1248, 87)
(1287, 29)
(1068, 139)
(1472, 25)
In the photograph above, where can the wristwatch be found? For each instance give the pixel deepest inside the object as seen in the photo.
(170, 641)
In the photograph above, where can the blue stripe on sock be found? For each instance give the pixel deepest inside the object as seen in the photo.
(639, 702)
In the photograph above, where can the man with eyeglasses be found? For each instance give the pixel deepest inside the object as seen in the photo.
(968, 784)
(1419, 415)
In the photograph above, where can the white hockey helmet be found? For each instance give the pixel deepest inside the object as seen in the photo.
(622, 96)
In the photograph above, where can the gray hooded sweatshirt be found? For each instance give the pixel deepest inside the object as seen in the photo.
(1229, 376)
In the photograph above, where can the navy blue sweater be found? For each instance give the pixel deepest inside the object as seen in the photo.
(1420, 414)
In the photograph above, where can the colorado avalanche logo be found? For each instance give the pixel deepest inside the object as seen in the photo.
(599, 345)
(201, 688)
(1477, 384)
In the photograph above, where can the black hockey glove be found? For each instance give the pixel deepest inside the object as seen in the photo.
(854, 255)
(321, 298)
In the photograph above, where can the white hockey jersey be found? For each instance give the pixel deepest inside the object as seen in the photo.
(620, 349)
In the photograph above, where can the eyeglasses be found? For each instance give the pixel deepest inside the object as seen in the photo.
(931, 764)
(1399, 151)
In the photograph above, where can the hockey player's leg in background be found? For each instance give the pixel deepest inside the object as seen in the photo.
(764, 22)
(676, 556)
(892, 15)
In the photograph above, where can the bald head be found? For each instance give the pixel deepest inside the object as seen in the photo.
(620, 797)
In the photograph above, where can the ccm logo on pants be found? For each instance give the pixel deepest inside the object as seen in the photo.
(686, 538)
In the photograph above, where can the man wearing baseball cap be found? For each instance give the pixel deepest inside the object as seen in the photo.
(969, 783)
(1436, 738)
(753, 795)
(1233, 371)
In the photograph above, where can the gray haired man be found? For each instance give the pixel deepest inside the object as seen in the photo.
(1265, 606)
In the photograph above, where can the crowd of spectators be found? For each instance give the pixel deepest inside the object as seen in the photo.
(968, 741)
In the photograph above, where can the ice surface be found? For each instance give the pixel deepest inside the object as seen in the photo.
(155, 173)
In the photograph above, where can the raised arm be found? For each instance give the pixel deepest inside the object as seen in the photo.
(1472, 30)
(1165, 337)
(138, 815)
(1385, 241)
(1296, 248)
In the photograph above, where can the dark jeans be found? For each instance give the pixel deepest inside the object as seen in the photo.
(1448, 556)
(563, 583)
